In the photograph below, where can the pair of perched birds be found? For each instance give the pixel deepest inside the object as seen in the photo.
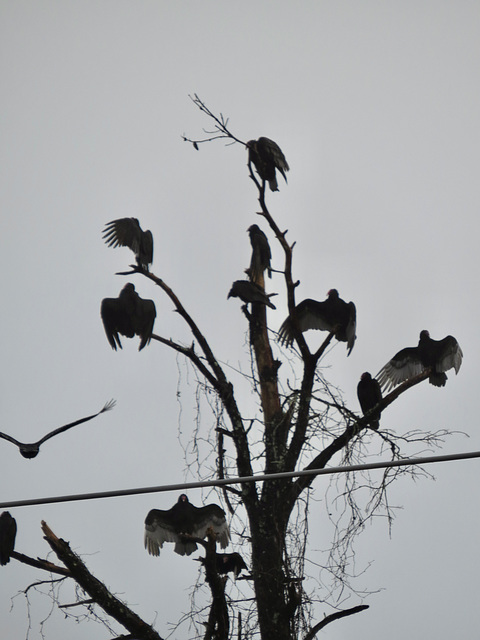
(183, 523)
(438, 356)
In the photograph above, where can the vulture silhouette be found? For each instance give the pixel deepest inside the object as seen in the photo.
(437, 355)
(127, 232)
(228, 563)
(333, 315)
(267, 157)
(249, 292)
(128, 315)
(261, 254)
(184, 518)
(8, 531)
(369, 395)
(31, 449)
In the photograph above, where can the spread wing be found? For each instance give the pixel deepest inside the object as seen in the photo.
(126, 232)
(160, 528)
(211, 516)
(107, 407)
(143, 320)
(310, 314)
(115, 321)
(450, 355)
(404, 365)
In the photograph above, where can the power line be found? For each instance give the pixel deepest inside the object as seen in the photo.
(240, 480)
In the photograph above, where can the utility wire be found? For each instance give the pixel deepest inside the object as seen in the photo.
(240, 480)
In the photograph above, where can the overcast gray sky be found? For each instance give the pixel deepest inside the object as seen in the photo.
(376, 106)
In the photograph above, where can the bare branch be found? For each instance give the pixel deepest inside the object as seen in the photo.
(334, 616)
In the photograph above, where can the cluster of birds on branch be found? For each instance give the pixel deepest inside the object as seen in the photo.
(334, 314)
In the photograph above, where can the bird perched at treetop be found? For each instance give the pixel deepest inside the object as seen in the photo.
(184, 518)
(437, 355)
(261, 254)
(267, 157)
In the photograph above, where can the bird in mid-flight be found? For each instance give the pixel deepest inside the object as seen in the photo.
(267, 157)
(31, 449)
(127, 232)
(369, 395)
(128, 315)
(8, 531)
(333, 315)
(437, 355)
(249, 292)
(261, 254)
(184, 519)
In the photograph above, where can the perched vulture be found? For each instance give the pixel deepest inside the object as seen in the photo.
(333, 315)
(369, 395)
(249, 292)
(228, 563)
(437, 355)
(184, 518)
(128, 315)
(31, 449)
(127, 232)
(267, 156)
(261, 254)
(8, 531)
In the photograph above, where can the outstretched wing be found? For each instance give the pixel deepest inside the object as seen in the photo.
(108, 406)
(211, 516)
(159, 528)
(144, 319)
(450, 355)
(126, 232)
(310, 314)
(404, 365)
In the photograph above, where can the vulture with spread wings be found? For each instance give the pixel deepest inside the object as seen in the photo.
(267, 157)
(184, 519)
(8, 531)
(127, 232)
(437, 355)
(249, 292)
(333, 315)
(261, 254)
(369, 395)
(31, 449)
(128, 315)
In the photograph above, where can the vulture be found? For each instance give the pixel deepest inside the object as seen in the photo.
(228, 563)
(267, 157)
(333, 315)
(261, 254)
(249, 292)
(369, 395)
(31, 449)
(437, 355)
(8, 531)
(184, 518)
(127, 232)
(128, 315)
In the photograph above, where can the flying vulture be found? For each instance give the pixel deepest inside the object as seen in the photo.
(369, 395)
(261, 254)
(267, 156)
(249, 292)
(437, 355)
(128, 315)
(127, 232)
(31, 449)
(333, 315)
(184, 518)
(8, 531)
(228, 563)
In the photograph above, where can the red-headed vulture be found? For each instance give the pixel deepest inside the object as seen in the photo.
(8, 531)
(333, 315)
(31, 449)
(127, 232)
(369, 395)
(128, 315)
(184, 519)
(437, 355)
(267, 157)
